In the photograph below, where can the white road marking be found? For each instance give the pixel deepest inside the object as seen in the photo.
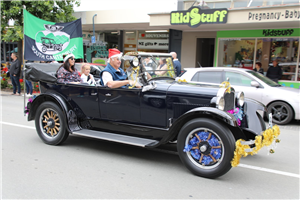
(269, 170)
(240, 165)
(18, 125)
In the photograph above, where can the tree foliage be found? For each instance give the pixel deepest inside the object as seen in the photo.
(54, 11)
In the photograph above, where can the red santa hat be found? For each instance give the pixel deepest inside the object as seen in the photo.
(112, 53)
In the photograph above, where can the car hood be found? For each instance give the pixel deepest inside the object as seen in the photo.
(193, 89)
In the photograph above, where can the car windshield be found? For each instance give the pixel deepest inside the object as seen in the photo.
(264, 79)
(156, 66)
(159, 66)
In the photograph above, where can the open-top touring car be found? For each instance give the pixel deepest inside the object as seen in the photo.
(213, 126)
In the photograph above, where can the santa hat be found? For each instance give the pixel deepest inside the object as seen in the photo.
(112, 53)
(68, 56)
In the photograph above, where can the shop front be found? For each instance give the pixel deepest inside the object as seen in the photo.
(243, 48)
(146, 41)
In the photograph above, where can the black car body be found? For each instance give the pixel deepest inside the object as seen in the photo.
(163, 110)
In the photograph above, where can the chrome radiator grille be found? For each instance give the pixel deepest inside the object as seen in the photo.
(229, 101)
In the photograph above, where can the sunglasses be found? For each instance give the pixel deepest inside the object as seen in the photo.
(72, 58)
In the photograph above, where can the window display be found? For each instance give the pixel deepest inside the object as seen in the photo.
(284, 50)
(236, 52)
(241, 52)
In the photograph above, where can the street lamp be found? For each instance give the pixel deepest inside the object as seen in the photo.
(94, 25)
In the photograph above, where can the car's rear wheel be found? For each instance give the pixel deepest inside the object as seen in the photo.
(282, 113)
(206, 147)
(50, 124)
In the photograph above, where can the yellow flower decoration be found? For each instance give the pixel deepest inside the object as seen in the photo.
(266, 139)
(226, 84)
(182, 81)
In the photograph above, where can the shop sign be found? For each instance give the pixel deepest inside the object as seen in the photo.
(276, 32)
(153, 44)
(279, 15)
(153, 35)
(194, 17)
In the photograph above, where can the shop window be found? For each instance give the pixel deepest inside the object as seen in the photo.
(210, 5)
(238, 79)
(284, 50)
(130, 41)
(275, 2)
(238, 4)
(222, 4)
(290, 1)
(236, 52)
(208, 77)
(245, 3)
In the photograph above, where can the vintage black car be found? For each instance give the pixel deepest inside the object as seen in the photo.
(205, 121)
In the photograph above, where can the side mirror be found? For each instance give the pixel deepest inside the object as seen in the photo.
(254, 84)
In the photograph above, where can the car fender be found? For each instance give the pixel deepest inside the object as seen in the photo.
(214, 112)
(53, 98)
(207, 112)
(255, 120)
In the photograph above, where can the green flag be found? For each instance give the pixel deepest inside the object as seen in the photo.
(48, 41)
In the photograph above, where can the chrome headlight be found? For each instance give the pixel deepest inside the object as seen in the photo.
(134, 62)
(240, 98)
(220, 103)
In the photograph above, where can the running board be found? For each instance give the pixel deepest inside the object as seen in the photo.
(136, 141)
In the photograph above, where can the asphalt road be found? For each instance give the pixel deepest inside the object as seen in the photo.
(84, 168)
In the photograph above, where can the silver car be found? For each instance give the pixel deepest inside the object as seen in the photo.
(282, 102)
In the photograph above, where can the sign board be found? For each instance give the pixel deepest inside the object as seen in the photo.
(194, 17)
(162, 44)
(266, 15)
(93, 38)
(153, 35)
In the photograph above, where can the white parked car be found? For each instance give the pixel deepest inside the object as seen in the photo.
(282, 102)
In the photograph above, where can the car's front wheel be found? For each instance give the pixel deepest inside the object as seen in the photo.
(50, 124)
(206, 147)
(282, 113)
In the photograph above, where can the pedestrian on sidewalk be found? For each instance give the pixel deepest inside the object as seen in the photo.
(177, 64)
(15, 71)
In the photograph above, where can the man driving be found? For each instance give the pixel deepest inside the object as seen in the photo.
(113, 76)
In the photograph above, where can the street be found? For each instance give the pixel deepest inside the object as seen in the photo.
(85, 168)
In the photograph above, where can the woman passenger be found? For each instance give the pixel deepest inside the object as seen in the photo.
(67, 72)
(162, 66)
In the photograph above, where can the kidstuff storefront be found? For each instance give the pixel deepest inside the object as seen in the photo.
(240, 48)
(239, 38)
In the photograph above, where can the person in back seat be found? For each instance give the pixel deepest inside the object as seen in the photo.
(86, 77)
(67, 72)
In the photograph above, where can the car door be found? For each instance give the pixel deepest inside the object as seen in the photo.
(242, 82)
(120, 104)
(86, 99)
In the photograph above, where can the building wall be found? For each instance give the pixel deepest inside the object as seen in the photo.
(189, 47)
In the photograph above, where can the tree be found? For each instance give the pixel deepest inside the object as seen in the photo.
(53, 11)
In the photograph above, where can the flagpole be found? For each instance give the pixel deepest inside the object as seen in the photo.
(24, 68)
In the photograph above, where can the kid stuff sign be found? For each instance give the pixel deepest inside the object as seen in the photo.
(194, 17)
